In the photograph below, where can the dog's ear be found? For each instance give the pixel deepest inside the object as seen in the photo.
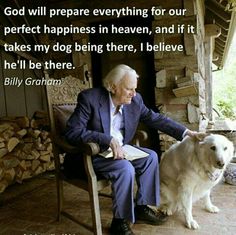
(199, 136)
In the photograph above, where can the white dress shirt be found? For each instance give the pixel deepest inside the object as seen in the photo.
(117, 122)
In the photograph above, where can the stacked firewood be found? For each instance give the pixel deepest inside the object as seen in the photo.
(25, 148)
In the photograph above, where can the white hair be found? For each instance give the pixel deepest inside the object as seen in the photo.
(116, 75)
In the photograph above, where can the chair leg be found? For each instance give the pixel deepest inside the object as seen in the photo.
(95, 210)
(59, 198)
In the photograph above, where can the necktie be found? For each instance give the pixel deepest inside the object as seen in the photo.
(117, 109)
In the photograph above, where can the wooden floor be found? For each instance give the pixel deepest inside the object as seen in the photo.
(30, 208)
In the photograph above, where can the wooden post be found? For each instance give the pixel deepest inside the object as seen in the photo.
(211, 32)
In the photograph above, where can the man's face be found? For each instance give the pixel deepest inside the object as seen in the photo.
(125, 90)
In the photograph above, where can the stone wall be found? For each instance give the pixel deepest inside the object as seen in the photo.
(180, 76)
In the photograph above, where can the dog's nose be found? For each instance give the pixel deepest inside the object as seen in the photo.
(220, 164)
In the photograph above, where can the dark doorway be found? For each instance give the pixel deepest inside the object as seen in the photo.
(142, 62)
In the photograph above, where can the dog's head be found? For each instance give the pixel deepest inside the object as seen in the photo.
(216, 151)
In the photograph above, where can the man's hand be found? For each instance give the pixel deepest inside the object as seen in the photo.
(198, 135)
(118, 152)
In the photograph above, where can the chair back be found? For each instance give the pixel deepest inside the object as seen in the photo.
(62, 99)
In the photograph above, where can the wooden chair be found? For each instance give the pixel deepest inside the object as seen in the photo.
(61, 103)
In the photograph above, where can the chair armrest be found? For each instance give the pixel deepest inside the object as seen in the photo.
(141, 135)
(85, 148)
(90, 148)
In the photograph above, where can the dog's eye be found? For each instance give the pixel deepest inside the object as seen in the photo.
(213, 148)
(225, 148)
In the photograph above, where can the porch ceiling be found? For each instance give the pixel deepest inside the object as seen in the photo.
(226, 20)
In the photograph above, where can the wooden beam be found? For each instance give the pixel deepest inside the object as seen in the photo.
(222, 38)
(214, 18)
(223, 42)
(189, 5)
(177, 62)
(212, 6)
(186, 91)
(220, 4)
(20, 53)
(215, 56)
(223, 31)
(158, 38)
(10, 18)
(218, 54)
(218, 63)
(27, 22)
(222, 23)
(220, 43)
(218, 48)
(189, 44)
(212, 30)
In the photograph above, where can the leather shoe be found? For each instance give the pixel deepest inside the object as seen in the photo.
(144, 214)
(120, 227)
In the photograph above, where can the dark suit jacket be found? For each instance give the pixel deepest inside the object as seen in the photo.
(90, 122)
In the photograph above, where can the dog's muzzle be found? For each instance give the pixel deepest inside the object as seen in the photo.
(220, 164)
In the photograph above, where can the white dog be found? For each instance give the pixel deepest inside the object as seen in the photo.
(188, 171)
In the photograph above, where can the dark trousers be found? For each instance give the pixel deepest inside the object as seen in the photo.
(122, 174)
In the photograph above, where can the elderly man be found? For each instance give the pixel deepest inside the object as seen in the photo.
(109, 116)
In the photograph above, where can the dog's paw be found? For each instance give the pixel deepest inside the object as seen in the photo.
(213, 209)
(166, 210)
(192, 224)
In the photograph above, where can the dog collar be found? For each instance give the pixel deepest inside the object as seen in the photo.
(214, 176)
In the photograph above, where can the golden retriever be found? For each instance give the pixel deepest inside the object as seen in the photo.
(189, 170)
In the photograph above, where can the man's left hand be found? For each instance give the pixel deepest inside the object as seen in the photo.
(195, 134)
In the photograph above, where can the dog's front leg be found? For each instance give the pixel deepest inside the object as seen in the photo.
(208, 204)
(186, 200)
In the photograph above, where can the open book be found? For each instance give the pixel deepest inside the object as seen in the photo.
(131, 153)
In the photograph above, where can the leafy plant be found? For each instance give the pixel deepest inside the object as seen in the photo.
(224, 86)
(226, 109)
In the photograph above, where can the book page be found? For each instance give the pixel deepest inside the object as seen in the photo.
(131, 153)
(107, 153)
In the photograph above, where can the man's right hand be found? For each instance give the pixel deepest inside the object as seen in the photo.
(118, 152)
